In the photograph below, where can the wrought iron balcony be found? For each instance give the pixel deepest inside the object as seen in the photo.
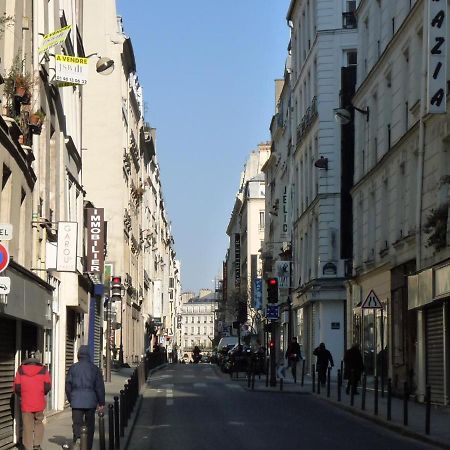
(349, 20)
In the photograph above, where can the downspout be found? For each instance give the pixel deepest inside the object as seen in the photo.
(421, 351)
(421, 149)
(35, 144)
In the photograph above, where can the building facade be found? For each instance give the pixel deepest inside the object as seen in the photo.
(198, 323)
(323, 37)
(400, 201)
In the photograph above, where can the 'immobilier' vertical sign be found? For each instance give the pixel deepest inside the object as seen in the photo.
(95, 255)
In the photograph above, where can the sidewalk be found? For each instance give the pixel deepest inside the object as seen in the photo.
(440, 416)
(58, 427)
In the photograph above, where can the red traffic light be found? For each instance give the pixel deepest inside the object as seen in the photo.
(271, 343)
(116, 280)
(273, 281)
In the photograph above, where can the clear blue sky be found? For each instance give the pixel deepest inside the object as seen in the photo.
(208, 69)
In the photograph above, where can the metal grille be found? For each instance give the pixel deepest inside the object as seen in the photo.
(435, 351)
(7, 353)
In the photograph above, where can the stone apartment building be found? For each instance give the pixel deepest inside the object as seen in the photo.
(401, 198)
(198, 323)
(52, 170)
(246, 235)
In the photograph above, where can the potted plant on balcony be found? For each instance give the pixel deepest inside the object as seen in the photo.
(17, 87)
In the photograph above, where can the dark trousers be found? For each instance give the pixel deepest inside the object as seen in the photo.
(82, 417)
(322, 375)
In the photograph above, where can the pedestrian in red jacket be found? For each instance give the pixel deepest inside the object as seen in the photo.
(31, 384)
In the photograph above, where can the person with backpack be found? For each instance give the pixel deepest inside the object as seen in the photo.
(85, 390)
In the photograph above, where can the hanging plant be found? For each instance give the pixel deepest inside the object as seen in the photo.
(436, 227)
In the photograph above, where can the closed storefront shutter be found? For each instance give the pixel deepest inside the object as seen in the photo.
(70, 338)
(7, 360)
(97, 334)
(435, 352)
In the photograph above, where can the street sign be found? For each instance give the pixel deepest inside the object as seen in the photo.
(6, 231)
(5, 285)
(372, 301)
(272, 312)
(4, 257)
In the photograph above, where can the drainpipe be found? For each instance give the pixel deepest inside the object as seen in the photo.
(36, 153)
(421, 350)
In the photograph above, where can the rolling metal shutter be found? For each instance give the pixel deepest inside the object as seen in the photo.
(435, 352)
(70, 338)
(7, 364)
(97, 334)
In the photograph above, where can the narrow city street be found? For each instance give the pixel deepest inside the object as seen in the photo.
(197, 407)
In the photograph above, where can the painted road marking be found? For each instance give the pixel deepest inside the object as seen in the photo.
(199, 385)
(169, 397)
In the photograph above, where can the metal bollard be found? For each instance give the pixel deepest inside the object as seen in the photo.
(248, 379)
(375, 405)
(405, 403)
(427, 409)
(267, 372)
(389, 399)
(313, 374)
(328, 381)
(116, 422)
(84, 438)
(121, 410)
(363, 393)
(125, 405)
(303, 372)
(111, 427)
(253, 381)
(281, 383)
(352, 395)
(101, 430)
(339, 381)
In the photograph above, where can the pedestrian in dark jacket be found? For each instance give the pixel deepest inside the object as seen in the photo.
(293, 355)
(353, 368)
(85, 391)
(32, 383)
(324, 359)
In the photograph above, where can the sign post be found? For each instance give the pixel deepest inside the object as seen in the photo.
(372, 302)
(4, 257)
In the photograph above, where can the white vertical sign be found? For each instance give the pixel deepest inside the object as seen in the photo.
(437, 57)
(66, 258)
(157, 299)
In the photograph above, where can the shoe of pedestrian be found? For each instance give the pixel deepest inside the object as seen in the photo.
(37, 447)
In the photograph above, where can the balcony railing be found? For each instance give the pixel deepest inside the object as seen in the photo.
(349, 20)
(307, 120)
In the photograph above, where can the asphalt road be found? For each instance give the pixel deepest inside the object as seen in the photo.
(196, 407)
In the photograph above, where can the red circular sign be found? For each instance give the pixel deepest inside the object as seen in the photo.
(4, 257)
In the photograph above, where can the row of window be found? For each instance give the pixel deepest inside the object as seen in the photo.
(199, 330)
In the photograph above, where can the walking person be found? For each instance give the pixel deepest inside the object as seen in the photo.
(293, 355)
(353, 368)
(32, 383)
(85, 391)
(324, 359)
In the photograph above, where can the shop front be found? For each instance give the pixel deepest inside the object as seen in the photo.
(428, 300)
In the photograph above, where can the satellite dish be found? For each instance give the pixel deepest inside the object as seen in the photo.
(342, 116)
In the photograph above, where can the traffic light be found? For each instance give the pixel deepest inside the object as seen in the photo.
(116, 289)
(272, 290)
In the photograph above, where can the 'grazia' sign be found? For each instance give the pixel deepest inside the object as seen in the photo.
(437, 57)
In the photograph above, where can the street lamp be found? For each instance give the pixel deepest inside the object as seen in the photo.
(343, 116)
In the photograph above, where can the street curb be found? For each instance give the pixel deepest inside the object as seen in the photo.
(132, 422)
(384, 423)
